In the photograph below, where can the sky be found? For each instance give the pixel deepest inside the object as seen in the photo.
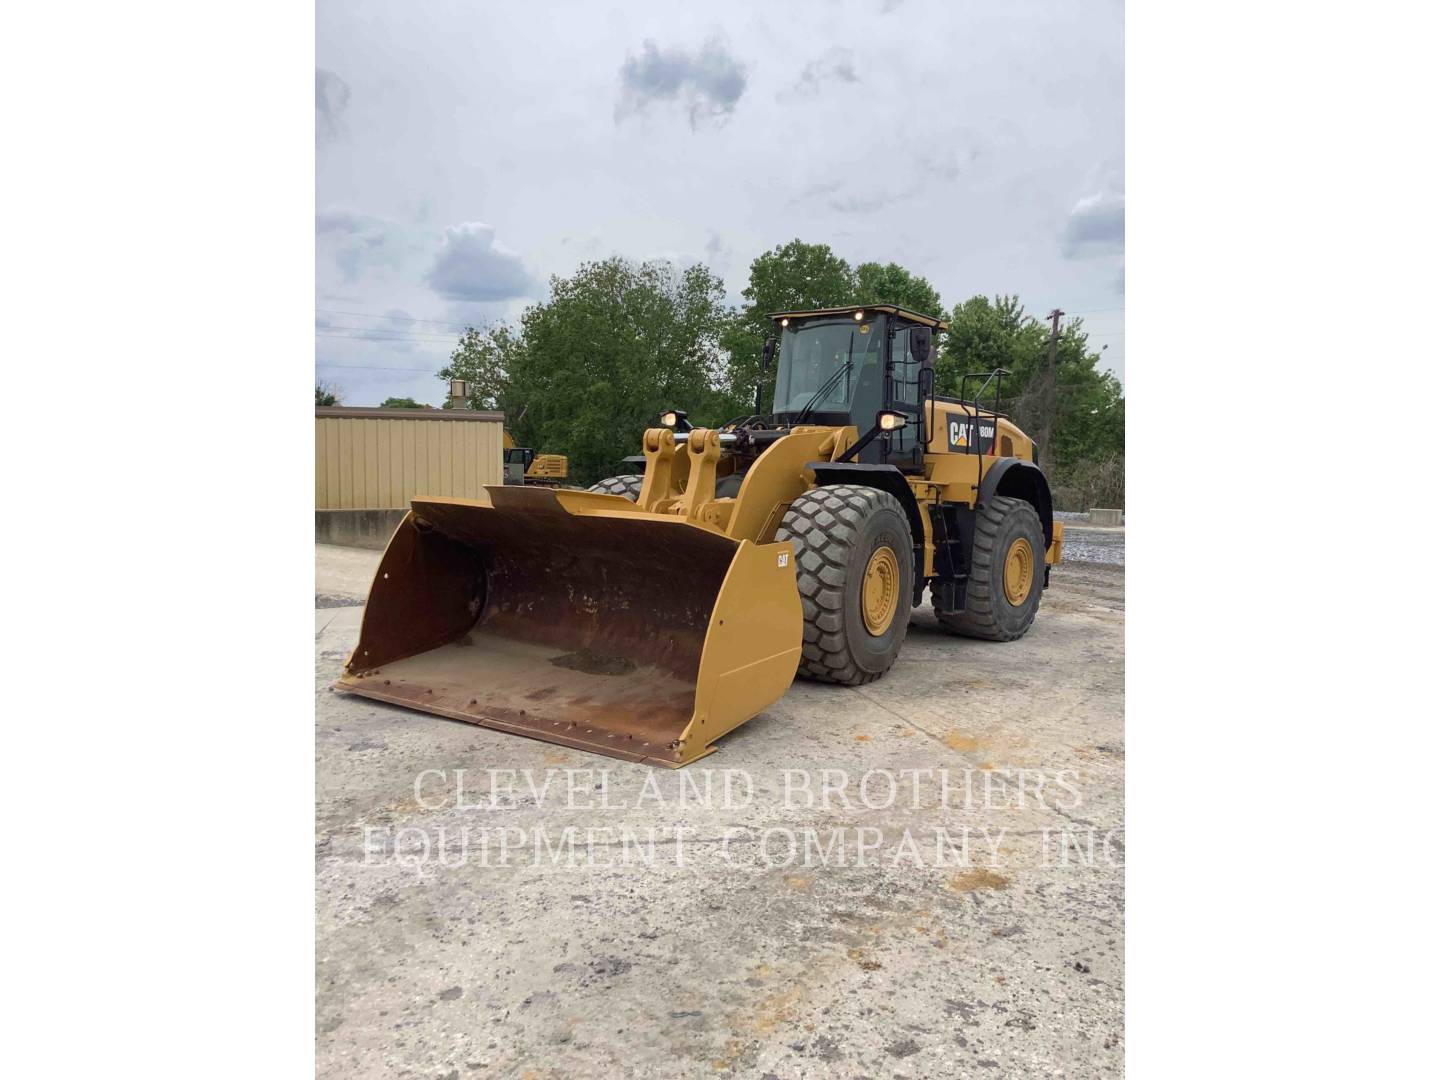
(467, 152)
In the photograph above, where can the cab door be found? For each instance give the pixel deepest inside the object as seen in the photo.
(902, 448)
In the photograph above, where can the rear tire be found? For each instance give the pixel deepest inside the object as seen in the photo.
(1001, 607)
(855, 596)
(628, 486)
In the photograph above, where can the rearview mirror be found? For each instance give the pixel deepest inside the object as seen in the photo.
(767, 354)
(920, 338)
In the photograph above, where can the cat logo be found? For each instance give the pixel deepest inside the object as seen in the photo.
(960, 426)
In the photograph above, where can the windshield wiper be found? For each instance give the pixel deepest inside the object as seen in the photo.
(828, 383)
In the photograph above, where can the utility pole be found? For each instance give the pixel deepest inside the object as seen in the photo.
(1048, 396)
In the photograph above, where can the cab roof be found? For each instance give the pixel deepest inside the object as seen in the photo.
(888, 309)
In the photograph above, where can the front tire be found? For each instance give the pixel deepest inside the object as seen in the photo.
(855, 568)
(1007, 573)
(628, 486)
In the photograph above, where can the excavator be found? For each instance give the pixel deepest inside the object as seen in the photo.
(647, 617)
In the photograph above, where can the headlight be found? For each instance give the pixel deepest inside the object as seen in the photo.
(890, 421)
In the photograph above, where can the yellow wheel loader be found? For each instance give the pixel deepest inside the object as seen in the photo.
(650, 615)
(524, 466)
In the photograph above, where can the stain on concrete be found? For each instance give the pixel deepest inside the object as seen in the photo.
(329, 600)
(978, 878)
(611, 966)
(903, 1049)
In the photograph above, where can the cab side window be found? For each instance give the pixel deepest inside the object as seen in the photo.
(904, 389)
(904, 373)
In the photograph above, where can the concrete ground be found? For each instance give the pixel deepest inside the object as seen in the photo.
(719, 951)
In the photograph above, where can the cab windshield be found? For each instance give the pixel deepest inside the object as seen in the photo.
(840, 360)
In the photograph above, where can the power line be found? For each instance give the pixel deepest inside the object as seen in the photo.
(361, 334)
(382, 330)
(399, 318)
(374, 367)
(388, 330)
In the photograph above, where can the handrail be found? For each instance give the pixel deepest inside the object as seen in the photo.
(998, 377)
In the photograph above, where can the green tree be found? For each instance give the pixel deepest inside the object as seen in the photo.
(985, 335)
(1088, 429)
(794, 277)
(400, 403)
(893, 284)
(327, 394)
(587, 371)
(483, 358)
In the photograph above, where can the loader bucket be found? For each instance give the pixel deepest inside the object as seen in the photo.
(579, 619)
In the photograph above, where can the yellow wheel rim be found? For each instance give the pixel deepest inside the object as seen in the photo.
(1019, 571)
(881, 593)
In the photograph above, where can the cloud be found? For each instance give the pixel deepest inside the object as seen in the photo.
(344, 223)
(1096, 225)
(867, 202)
(707, 83)
(332, 97)
(393, 330)
(931, 168)
(815, 191)
(360, 242)
(473, 266)
(836, 65)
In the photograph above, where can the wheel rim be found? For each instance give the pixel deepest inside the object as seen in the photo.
(881, 592)
(1019, 571)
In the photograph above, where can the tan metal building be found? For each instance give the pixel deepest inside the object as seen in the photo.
(377, 459)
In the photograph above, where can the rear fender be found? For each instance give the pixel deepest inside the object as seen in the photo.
(1020, 479)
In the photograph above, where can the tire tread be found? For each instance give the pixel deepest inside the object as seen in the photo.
(978, 619)
(824, 524)
(628, 486)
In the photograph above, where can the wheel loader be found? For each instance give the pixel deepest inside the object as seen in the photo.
(652, 614)
(524, 466)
